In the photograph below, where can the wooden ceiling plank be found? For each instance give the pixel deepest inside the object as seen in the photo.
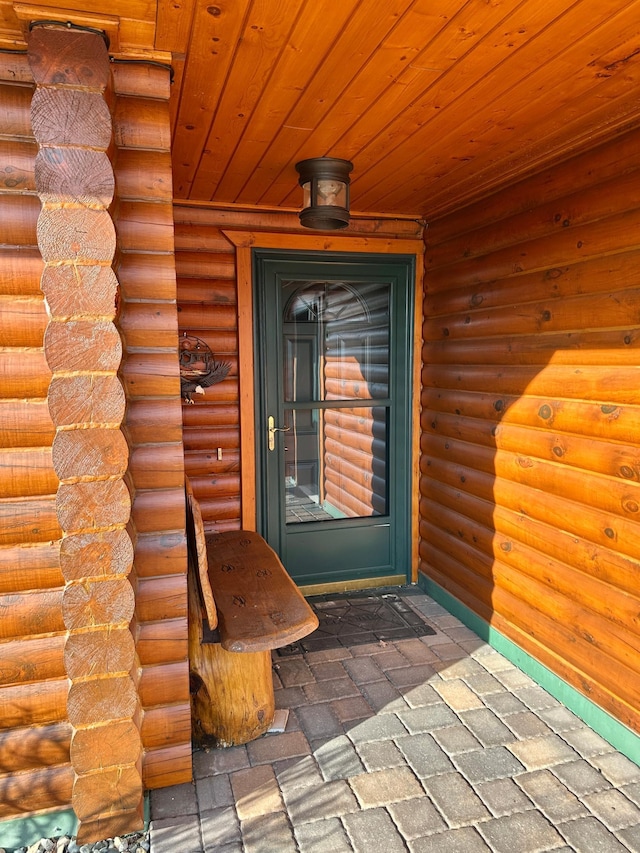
(594, 127)
(350, 128)
(263, 40)
(173, 24)
(531, 121)
(532, 126)
(394, 75)
(533, 66)
(358, 42)
(383, 82)
(371, 142)
(478, 78)
(399, 48)
(203, 83)
(294, 71)
(600, 80)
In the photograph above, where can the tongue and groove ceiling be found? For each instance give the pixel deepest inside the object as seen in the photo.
(436, 102)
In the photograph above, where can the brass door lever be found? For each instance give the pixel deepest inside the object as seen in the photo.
(272, 432)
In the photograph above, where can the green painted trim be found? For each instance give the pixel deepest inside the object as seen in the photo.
(25, 831)
(616, 733)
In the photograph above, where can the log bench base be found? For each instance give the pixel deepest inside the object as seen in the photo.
(238, 585)
(232, 699)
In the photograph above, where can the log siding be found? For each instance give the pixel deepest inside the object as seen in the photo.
(147, 320)
(35, 735)
(530, 467)
(39, 761)
(207, 309)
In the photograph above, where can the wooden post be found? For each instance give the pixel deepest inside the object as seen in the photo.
(74, 179)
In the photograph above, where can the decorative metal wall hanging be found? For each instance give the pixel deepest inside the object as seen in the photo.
(198, 367)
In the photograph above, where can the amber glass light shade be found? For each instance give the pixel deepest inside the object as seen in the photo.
(325, 184)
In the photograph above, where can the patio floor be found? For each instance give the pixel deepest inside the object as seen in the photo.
(433, 743)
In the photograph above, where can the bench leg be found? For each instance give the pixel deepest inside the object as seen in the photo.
(233, 702)
(232, 699)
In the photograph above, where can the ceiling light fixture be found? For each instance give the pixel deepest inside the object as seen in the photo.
(325, 183)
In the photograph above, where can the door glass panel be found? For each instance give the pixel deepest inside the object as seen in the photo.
(335, 463)
(336, 349)
(336, 340)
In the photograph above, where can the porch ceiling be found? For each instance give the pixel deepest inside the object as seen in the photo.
(437, 102)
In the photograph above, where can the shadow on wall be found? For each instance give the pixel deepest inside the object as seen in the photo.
(530, 457)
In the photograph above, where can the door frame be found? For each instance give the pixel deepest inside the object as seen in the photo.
(245, 242)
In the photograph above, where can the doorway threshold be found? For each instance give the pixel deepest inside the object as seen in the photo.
(354, 585)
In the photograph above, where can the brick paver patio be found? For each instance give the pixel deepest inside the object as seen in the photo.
(430, 745)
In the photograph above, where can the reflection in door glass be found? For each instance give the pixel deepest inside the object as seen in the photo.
(336, 350)
(336, 340)
(335, 463)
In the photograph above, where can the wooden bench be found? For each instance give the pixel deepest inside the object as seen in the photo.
(242, 604)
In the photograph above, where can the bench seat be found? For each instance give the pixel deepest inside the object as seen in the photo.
(259, 606)
(238, 585)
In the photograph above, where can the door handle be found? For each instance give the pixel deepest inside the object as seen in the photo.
(272, 432)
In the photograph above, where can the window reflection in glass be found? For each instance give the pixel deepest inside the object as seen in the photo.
(336, 341)
(336, 463)
(336, 351)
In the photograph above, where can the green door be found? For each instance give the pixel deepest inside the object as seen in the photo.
(333, 382)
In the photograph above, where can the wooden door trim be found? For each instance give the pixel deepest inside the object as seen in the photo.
(245, 242)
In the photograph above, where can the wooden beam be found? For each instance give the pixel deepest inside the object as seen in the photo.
(107, 23)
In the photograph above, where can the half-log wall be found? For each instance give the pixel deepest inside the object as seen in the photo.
(530, 490)
(208, 309)
(59, 746)
(35, 770)
(147, 320)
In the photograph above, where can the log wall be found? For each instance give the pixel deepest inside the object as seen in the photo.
(147, 321)
(207, 309)
(530, 466)
(39, 765)
(35, 735)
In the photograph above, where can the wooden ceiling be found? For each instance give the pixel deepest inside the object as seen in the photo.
(436, 102)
